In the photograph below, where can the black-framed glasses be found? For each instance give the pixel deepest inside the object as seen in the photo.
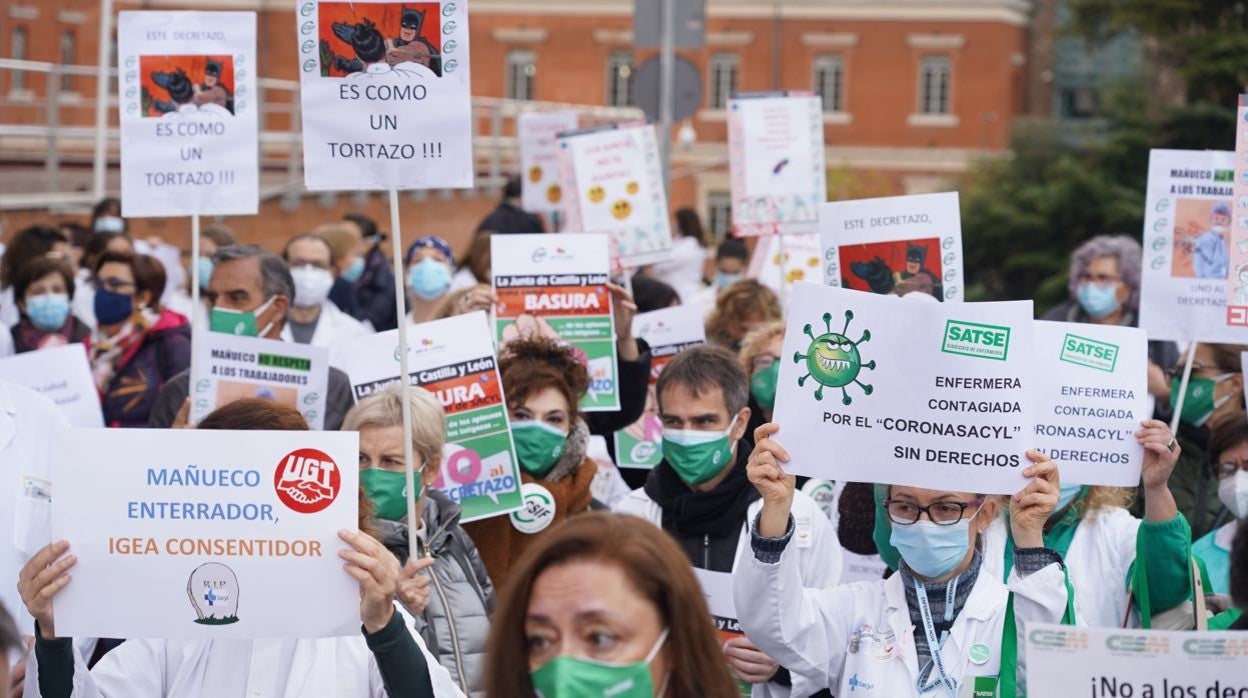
(905, 513)
(1225, 470)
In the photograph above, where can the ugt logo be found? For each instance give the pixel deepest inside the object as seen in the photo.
(307, 481)
(833, 359)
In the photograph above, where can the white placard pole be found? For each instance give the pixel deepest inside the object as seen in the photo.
(784, 281)
(195, 309)
(1187, 374)
(400, 304)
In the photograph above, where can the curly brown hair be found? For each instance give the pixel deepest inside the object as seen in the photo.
(744, 301)
(529, 366)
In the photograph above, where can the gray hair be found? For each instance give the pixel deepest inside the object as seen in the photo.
(385, 409)
(1123, 248)
(704, 368)
(275, 278)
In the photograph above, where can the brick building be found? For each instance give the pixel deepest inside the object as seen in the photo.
(913, 90)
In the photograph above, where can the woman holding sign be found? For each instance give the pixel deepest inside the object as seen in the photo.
(962, 619)
(387, 659)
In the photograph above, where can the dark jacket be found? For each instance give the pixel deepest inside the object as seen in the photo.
(507, 219)
(342, 294)
(374, 292)
(338, 400)
(456, 622)
(27, 337)
(144, 369)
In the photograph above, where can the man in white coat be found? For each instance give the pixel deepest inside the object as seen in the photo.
(314, 319)
(700, 494)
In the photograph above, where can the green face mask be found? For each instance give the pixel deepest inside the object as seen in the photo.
(538, 446)
(1198, 403)
(239, 322)
(763, 385)
(388, 492)
(697, 456)
(573, 677)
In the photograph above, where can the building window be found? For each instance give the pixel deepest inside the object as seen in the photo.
(1079, 102)
(619, 72)
(20, 50)
(934, 79)
(68, 51)
(521, 71)
(719, 214)
(723, 79)
(830, 82)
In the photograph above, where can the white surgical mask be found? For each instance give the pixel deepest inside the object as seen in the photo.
(1233, 491)
(312, 285)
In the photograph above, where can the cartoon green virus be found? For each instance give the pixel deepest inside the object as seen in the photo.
(833, 359)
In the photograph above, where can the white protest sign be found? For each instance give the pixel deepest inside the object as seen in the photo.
(1243, 362)
(775, 155)
(1070, 662)
(1090, 392)
(1187, 227)
(189, 104)
(453, 359)
(186, 533)
(779, 262)
(227, 367)
(540, 190)
(717, 590)
(1237, 266)
(62, 374)
(921, 394)
(668, 331)
(896, 245)
(613, 184)
(385, 94)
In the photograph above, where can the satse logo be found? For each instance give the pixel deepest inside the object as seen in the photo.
(975, 339)
(307, 481)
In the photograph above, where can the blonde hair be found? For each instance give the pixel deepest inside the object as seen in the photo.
(1101, 499)
(343, 237)
(385, 409)
(756, 342)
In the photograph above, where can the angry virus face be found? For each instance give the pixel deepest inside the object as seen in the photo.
(833, 359)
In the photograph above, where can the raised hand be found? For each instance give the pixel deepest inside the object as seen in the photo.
(775, 486)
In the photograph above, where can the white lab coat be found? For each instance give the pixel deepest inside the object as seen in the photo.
(335, 667)
(9, 314)
(1100, 555)
(808, 629)
(334, 329)
(818, 559)
(83, 303)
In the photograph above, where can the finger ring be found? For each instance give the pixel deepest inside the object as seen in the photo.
(1172, 444)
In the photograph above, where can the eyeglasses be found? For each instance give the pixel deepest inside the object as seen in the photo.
(1225, 470)
(1098, 278)
(904, 513)
(763, 362)
(114, 284)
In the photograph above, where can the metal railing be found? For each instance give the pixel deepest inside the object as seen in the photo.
(48, 137)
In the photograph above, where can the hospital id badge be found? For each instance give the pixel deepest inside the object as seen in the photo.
(978, 687)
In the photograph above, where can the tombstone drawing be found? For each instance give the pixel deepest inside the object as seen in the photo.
(213, 590)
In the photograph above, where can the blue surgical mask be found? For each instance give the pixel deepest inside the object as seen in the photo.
(110, 224)
(1097, 300)
(429, 278)
(48, 311)
(354, 271)
(1065, 495)
(112, 308)
(931, 549)
(723, 279)
(205, 271)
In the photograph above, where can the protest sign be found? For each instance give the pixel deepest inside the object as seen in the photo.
(894, 245)
(668, 332)
(540, 190)
(1090, 390)
(1070, 662)
(228, 367)
(188, 101)
(779, 262)
(63, 375)
(1237, 286)
(385, 94)
(187, 533)
(921, 394)
(613, 184)
(555, 285)
(1187, 227)
(775, 156)
(454, 360)
(1243, 361)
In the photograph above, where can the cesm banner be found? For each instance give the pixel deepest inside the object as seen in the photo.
(185, 533)
(775, 157)
(883, 389)
(898, 245)
(1069, 662)
(556, 287)
(1090, 389)
(385, 94)
(188, 101)
(1187, 239)
(538, 133)
(453, 359)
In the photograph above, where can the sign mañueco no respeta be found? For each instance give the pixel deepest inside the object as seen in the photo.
(883, 389)
(186, 533)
